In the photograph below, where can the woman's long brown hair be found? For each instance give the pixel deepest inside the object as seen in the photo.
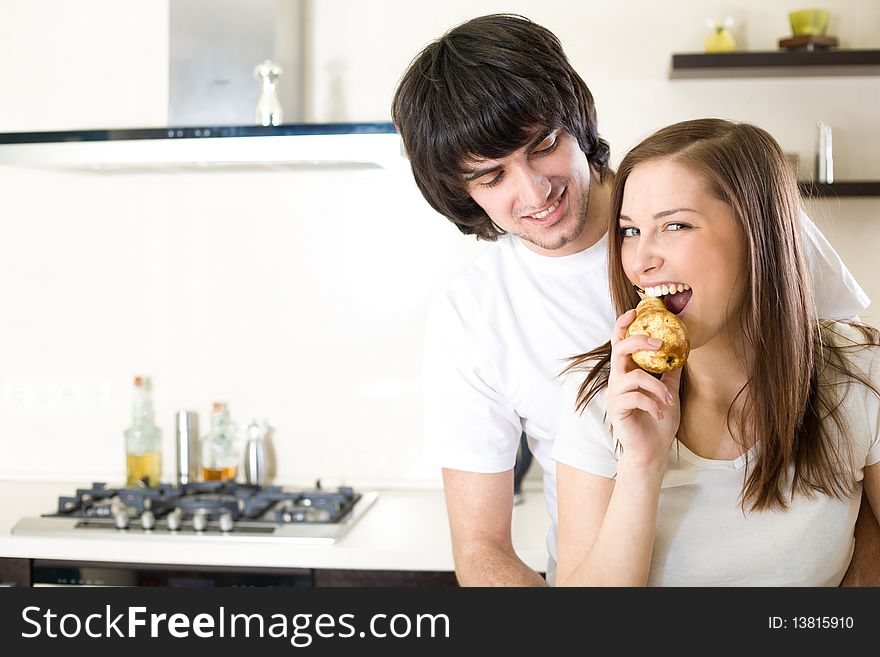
(796, 377)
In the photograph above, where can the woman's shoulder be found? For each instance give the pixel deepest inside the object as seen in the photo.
(851, 336)
(858, 343)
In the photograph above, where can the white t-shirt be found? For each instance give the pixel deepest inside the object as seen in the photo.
(703, 537)
(497, 340)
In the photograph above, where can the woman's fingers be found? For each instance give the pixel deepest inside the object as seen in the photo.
(622, 351)
(638, 379)
(624, 404)
(620, 326)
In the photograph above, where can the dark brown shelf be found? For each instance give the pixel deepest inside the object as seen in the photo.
(775, 63)
(840, 189)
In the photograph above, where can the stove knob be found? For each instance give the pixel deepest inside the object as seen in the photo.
(173, 520)
(121, 517)
(148, 520)
(200, 520)
(226, 522)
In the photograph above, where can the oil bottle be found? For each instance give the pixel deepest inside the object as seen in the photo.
(143, 440)
(220, 453)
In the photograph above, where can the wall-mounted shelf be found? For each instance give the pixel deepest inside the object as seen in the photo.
(775, 63)
(848, 188)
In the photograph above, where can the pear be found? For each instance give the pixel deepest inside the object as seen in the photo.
(654, 320)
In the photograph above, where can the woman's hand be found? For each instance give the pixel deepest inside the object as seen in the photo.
(644, 411)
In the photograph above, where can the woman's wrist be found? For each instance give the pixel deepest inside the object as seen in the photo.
(652, 470)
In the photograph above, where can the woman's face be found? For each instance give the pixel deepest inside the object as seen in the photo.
(676, 235)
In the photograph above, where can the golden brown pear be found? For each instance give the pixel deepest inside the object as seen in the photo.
(654, 320)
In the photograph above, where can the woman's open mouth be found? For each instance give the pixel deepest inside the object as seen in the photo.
(675, 296)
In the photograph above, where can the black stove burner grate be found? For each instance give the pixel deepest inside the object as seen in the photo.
(262, 504)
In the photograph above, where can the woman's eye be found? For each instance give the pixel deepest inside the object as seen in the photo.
(628, 231)
(676, 227)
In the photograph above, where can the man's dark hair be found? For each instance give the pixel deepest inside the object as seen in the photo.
(478, 92)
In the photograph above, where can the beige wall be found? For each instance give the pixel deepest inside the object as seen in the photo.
(300, 295)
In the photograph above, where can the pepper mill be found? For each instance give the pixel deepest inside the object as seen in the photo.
(255, 454)
(186, 425)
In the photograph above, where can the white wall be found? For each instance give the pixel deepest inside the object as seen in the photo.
(300, 295)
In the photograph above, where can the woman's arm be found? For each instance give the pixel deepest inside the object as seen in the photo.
(864, 569)
(606, 526)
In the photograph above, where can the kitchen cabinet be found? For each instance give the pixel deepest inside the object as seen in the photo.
(28, 572)
(15, 572)
(788, 63)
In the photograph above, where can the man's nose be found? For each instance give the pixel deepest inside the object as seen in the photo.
(534, 187)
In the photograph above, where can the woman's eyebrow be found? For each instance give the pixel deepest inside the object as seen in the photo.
(662, 213)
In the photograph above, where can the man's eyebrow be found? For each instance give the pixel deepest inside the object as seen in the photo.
(479, 173)
(532, 145)
(661, 214)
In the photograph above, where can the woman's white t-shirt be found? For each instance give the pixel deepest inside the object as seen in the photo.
(703, 535)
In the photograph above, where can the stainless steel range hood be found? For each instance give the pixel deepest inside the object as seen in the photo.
(214, 48)
(136, 150)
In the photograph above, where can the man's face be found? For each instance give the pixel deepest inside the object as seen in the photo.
(538, 193)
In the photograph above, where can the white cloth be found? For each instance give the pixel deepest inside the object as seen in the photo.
(703, 537)
(838, 295)
(497, 340)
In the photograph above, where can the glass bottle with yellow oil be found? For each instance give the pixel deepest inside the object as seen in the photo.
(143, 440)
(220, 454)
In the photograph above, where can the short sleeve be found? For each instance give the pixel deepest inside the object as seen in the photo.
(468, 424)
(872, 406)
(583, 439)
(838, 295)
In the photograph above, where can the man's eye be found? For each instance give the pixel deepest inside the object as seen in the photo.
(492, 182)
(546, 146)
(627, 231)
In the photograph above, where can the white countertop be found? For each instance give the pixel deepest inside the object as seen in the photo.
(402, 530)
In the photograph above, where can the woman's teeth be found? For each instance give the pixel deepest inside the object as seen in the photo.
(544, 213)
(663, 290)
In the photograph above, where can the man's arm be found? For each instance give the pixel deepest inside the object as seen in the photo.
(864, 569)
(480, 507)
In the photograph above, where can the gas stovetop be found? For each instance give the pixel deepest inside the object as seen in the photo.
(225, 510)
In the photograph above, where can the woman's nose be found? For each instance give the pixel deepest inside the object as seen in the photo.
(648, 257)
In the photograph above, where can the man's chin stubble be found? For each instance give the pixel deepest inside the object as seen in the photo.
(567, 238)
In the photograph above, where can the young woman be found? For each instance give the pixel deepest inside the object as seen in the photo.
(746, 466)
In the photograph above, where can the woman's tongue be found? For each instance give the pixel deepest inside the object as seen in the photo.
(675, 303)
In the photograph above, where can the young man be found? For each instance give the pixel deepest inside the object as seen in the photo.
(502, 137)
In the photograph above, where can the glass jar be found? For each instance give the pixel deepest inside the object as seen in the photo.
(220, 454)
(143, 440)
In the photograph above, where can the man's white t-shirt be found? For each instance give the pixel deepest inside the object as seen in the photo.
(499, 337)
(703, 536)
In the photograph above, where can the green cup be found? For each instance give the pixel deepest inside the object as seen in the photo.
(808, 21)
